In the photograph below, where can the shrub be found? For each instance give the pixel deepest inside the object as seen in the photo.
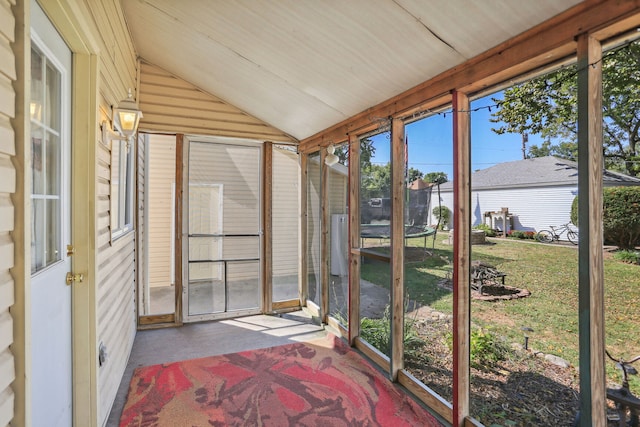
(630, 257)
(443, 214)
(488, 231)
(519, 234)
(620, 217)
(377, 332)
(486, 348)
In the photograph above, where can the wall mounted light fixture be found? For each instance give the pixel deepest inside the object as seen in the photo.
(126, 118)
(331, 159)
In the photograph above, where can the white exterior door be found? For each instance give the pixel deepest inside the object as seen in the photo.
(51, 381)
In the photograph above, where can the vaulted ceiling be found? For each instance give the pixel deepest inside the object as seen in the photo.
(304, 65)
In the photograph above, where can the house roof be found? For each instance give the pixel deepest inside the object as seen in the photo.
(536, 172)
(303, 66)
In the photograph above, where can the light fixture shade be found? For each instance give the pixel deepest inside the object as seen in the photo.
(126, 117)
(331, 159)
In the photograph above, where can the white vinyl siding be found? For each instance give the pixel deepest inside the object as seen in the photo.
(533, 208)
(115, 297)
(173, 105)
(7, 218)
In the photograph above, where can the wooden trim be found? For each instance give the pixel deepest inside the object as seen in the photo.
(313, 309)
(375, 355)
(543, 44)
(354, 238)
(21, 270)
(267, 221)
(156, 319)
(84, 232)
(285, 305)
(590, 253)
(325, 222)
(433, 400)
(178, 262)
(472, 422)
(303, 247)
(461, 254)
(398, 191)
(372, 254)
(335, 324)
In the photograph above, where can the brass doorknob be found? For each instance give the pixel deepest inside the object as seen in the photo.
(79, 277)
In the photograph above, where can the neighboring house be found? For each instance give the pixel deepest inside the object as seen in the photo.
(538, 192)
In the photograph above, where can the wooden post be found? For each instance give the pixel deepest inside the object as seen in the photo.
(398, 191)
(267, 236)
(303, 249)
(461, 256)
(354, 238)
(590, 246)
(325, 222)
(178, 261)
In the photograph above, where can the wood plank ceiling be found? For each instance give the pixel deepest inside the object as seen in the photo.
(303, 66)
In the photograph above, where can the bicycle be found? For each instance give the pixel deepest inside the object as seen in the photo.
(553, 235)
(625, 401)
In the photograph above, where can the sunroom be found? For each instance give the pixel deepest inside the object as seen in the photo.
(248, 188)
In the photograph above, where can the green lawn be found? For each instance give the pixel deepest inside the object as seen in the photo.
(550, 272)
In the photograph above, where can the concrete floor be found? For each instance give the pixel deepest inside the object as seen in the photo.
(212, 338)
(209, 339)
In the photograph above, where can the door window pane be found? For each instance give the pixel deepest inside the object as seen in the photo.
(46, 214)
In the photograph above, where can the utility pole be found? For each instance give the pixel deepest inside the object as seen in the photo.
(525, 139)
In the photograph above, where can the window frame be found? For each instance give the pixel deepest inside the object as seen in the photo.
(122, 187)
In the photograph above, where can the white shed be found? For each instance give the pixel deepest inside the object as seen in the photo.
(538, 192)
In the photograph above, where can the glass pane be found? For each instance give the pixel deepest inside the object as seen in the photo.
(37, 157)
(428, 255)
(313, 227)
(375, 269)
(53, 98)
(237, 176)
(524, 293)
(243, 280)
(46, 163)
(53, 248)
(115, 186)
(38, 234)
(37, 85)
(206, 287)
(338, 183)
(286, 216)
(205, 248)
(52, 165)
(241, 247)
(158, 293)
(224, 219)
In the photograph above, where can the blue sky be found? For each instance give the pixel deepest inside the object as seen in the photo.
(431, 142)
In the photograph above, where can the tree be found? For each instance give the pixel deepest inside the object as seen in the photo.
(376, 181)
(436, 177)
(547, 106)
(367, 150)
(413, 174)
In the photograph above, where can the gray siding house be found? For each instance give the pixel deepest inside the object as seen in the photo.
(538, 192)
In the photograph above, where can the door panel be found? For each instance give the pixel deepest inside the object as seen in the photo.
(51, 357)
(224, 241)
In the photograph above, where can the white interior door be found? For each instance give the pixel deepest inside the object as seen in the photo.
(51, 379)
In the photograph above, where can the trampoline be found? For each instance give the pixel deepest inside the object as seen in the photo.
(383, 231)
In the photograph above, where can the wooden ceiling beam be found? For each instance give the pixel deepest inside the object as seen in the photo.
(545, 44)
